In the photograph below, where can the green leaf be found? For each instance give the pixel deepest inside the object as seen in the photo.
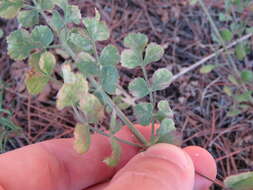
(226, 35)
(114, 159)
(28, 18)
(82, 138)
(34, 61)
(167, 133)
(247, 76)
(166, 127)
(234, 112)
(228, 90)
(72, 14)
(130, 59)
(19, 45)
(243, 181)
(61, 3)
(249, 30)
(87, 64)
(207, 69)
(74, 88)
(161, 79)
(109, 56)
(154, 53)
(92, 108)
(109, 79)
(244, 97)
(97, 30)
(69, 77)
(138, 87)
(10, 8)
(45, 4)
(35, 82)
(164, 107)
(80, 41)
(42, 36)
(47, 63)
(1, 33)
(143, 112)
(136, 41)
(240, 51)
(57, 21)
(232, 79)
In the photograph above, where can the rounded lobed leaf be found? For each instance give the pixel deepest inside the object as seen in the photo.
(243, 181)
(42, 36)
(114, 159)
(138, 88)
(35, 82)
(82, 138)
(167, 133)
(72, 14)
(68, 76)
(109, 56)
(97, 30)
(45, 4)
(19, 45)
(92, 108)
(34, 61)
(47, 63)
(80, 41)
(130, 59)
(226, 34)
(87, 64)
(28, 18)
(240, 51)
(247, 76)
(74, 88)
(136, 41)
(161, 79)
(154, 52)
(109, 79)
(143, 112)
(164, 107)
(57, 21)
(10, 8)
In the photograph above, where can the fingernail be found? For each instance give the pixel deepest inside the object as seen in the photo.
(170, 153)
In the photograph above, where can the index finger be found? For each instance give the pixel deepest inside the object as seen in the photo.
(54, 165)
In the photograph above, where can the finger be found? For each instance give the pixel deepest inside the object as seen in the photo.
(204, 164)
(54, 165)
(99, 187)
(163, 167)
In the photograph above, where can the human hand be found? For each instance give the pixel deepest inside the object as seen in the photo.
(54, 165)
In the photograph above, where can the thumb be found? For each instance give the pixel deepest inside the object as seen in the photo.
(162, 166)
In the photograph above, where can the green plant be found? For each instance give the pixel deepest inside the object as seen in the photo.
(234, 26)
(90, 73)
(7, 128)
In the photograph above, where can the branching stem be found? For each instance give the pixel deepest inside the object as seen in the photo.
(108, 100)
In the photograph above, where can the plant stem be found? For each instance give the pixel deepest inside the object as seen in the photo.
(213, 25)
(83, 120)
(109, 101)
(151, 98)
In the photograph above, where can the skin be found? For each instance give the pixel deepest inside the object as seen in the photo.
(54, 165)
